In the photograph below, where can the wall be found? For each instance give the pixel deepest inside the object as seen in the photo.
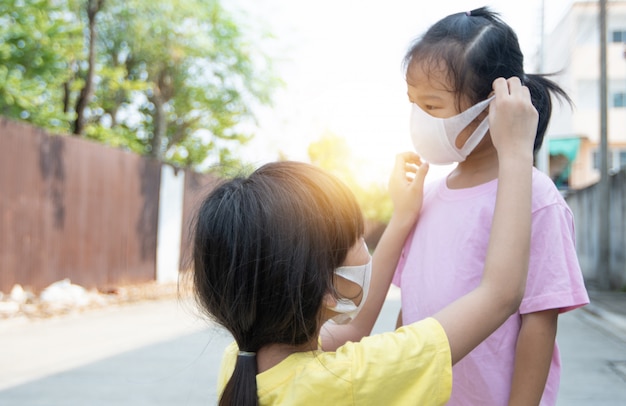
(197, 186)
(71, 208)
(170, 223)
(584, 204)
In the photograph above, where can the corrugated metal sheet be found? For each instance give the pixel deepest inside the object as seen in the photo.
(197, 186)
(71, 208)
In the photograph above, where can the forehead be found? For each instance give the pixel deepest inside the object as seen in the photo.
(429, 79)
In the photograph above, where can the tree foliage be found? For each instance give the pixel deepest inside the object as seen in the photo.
(37, 39)
(172, 79)
(333, 154)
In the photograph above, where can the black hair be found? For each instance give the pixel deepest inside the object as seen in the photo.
(475, 48)
(265, 249)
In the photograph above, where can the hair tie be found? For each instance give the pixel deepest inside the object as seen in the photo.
(246, 354)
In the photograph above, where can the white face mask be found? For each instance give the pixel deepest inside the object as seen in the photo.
(361, 275)
(434, 138)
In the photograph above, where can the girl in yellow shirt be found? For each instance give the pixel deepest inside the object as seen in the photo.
(280, 262)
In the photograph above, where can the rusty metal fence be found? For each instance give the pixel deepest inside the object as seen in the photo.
(197, 186)
(71, 208)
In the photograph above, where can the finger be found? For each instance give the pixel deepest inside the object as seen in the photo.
(420, 175)
(406, 162)
(409, 157)
(500, 87)
(526, 92)
(514, 84)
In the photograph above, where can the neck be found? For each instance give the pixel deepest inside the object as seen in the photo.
(271, 355)
(479, 167)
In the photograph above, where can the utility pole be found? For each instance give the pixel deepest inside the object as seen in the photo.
(542, 160)
(603, 270)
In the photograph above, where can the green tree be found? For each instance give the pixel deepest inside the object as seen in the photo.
(93, 7)
(333, 154)
(174, 79)
(37, 39)
(201, 75)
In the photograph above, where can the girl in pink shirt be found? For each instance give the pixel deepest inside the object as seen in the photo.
(449, 72)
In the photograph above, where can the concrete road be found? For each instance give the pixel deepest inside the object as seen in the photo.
(161, 353)
(593, 356)
(152, 353)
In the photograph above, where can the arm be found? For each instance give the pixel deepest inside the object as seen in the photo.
(533, 355)
(473, 317)
(406, 194)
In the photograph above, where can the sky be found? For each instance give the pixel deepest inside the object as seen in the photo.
(341, 64)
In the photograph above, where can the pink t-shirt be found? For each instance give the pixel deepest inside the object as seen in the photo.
(443, 259)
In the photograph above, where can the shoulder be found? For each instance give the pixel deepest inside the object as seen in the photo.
(431, 186)
(545, 192)
(227, 366)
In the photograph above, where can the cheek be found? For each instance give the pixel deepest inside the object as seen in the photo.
(466, 133)
(348, 289)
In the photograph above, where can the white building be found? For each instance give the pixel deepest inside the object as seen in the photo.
(573, 49)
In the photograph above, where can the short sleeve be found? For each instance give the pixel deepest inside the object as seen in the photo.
(555, 280)
(409, 366)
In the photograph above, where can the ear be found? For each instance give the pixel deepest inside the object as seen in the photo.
(329, 300)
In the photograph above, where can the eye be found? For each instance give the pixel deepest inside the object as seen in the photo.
(429, 107)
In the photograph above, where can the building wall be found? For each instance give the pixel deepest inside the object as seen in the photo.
(573, 51)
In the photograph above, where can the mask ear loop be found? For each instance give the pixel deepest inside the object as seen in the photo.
(466, 117)
(473, 140)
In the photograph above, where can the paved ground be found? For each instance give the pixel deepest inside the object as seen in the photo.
(593, 361)
(160, 353)
(151, 353)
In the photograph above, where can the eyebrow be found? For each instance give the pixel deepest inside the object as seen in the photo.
(431, 97)
(428, 96)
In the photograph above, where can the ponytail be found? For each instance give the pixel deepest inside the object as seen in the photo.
(241, 389)
(540, 89)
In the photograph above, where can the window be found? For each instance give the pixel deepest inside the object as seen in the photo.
(622, 158)
(596, 159)
(619, 99)
(619, 36)
(617, 159)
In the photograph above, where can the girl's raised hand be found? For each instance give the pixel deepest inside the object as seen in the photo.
(512, 118)
(406, 185)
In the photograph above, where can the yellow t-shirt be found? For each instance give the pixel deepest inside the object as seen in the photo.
(411, 366)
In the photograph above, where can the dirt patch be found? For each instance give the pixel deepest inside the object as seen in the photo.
(26, 304)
